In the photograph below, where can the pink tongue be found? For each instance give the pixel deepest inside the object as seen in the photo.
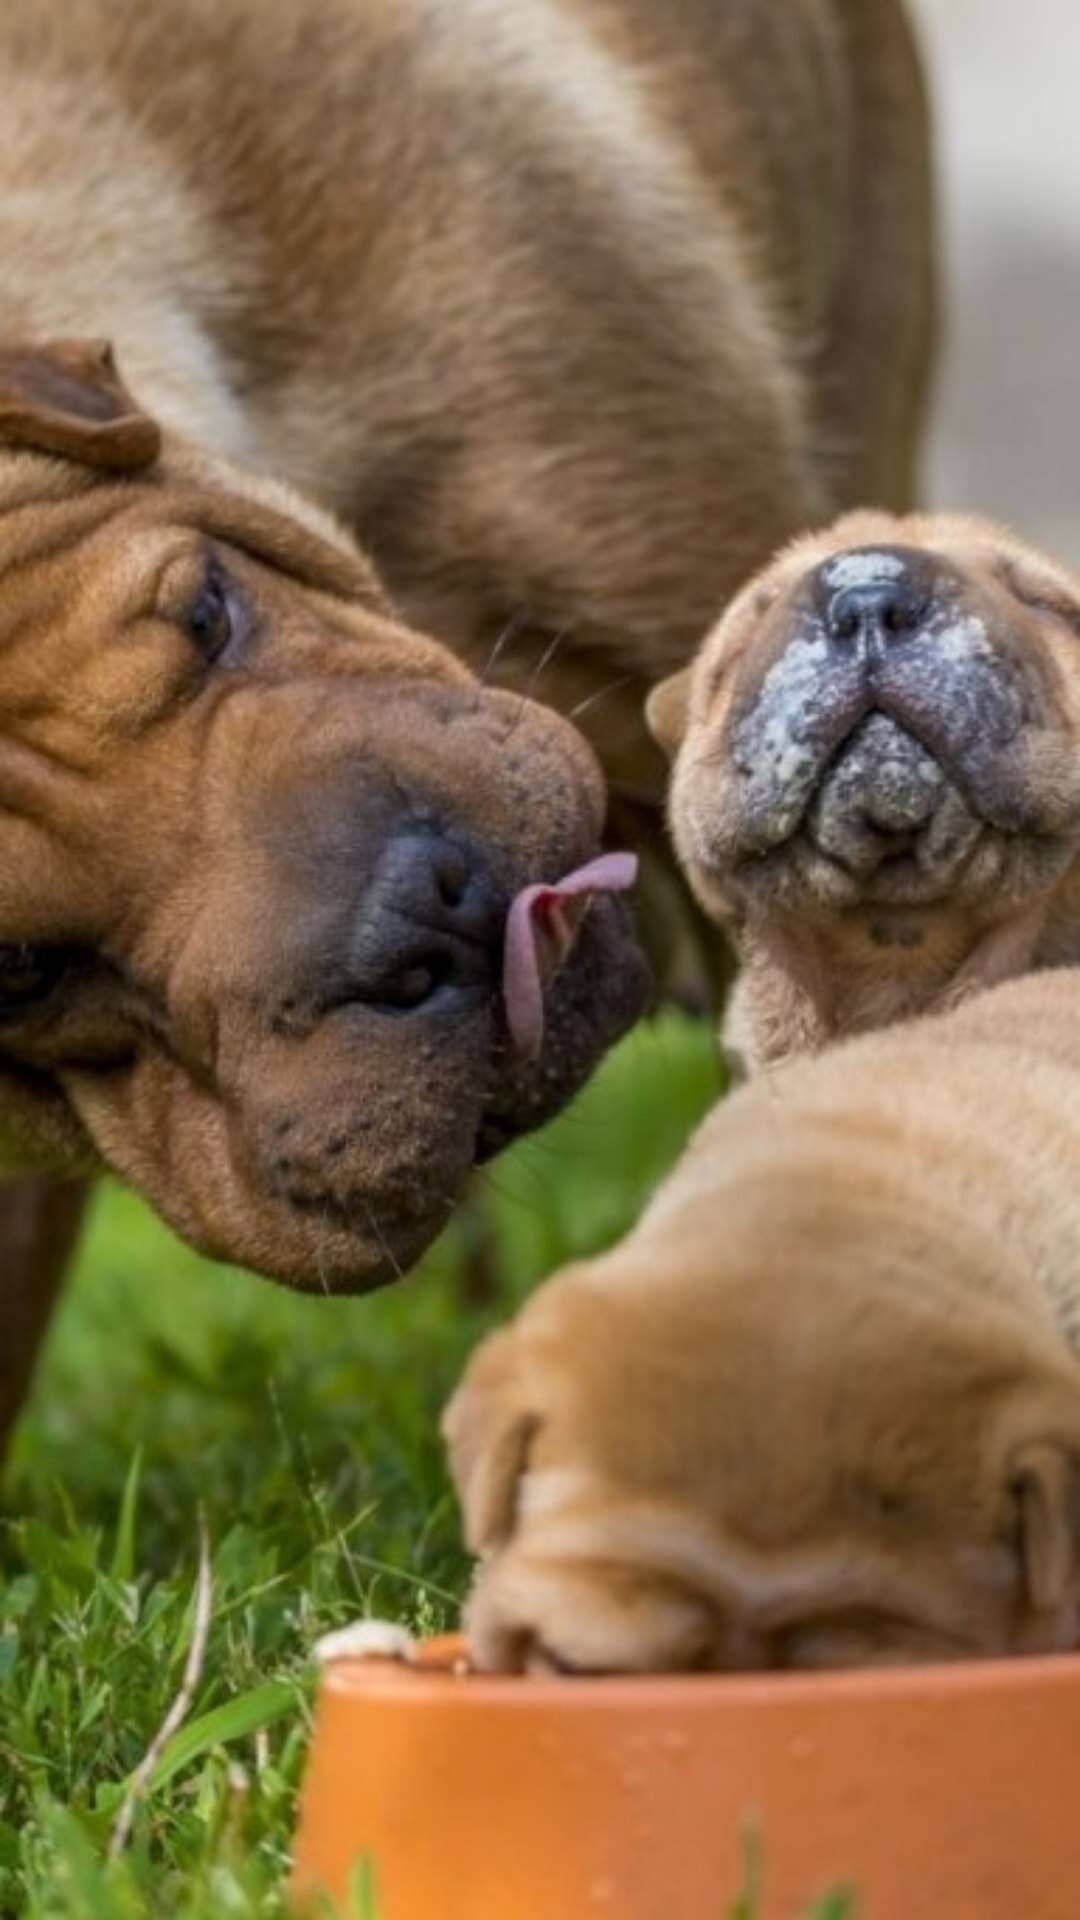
(540, 930)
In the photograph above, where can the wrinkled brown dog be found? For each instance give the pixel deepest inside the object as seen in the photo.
(571, 310)
(877, 781)
(258, 846)
(822, 1407)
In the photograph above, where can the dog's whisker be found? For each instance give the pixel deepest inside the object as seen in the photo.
(602, 693)
(519, 714)
(324, 1283)
(546, 658)
(384, 1244)
(502, 640)
(498, 1188)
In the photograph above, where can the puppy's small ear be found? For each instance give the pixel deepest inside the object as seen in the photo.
(66, 397)
(488, 1428)
(667, 711)
(1045, 1481)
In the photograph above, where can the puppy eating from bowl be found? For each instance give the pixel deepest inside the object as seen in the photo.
(876, 781)
(822, 1406)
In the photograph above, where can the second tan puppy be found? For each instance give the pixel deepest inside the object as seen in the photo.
(822, 1407)
(877, 776)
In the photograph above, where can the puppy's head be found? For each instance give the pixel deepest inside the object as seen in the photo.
(259, 846)
(724, 1477)
(884, 722)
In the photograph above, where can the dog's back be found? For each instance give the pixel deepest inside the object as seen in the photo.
(573, 308)
(958, 1134)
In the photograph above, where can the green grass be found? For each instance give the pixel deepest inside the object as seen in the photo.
(307, 1432)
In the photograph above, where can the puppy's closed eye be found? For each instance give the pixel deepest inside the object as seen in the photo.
(1040, 593)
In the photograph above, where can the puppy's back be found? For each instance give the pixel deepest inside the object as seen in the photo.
(955, 1138)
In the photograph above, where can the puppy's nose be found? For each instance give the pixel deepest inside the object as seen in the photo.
(873, 597)
(431, 927)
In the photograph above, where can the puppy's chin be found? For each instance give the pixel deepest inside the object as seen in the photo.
(538, 1614)
(531, 1614)
(535, 1613)
(997, 873)
(888, 825)
(886, 822)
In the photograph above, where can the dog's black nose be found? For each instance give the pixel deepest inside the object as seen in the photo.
(873, 596)
(431, 925)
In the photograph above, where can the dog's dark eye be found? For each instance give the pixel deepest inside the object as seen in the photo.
(28, 974)
(211, 620)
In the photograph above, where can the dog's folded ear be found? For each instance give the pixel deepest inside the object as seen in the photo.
(488, 1428)
(667, 711)
(1045, 1481)
(66, 397)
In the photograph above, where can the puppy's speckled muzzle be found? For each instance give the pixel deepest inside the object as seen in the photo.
(884, 731)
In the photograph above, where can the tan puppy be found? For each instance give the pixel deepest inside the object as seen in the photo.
(822, 1406)
(877, 774)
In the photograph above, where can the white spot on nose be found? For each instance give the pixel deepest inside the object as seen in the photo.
(861, 569)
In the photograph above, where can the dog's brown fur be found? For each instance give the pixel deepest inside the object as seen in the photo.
(823, 1405)
(571, 310)
(828, 949)
(192, 868)
(220, 871)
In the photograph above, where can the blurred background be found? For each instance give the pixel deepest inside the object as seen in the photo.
(1006, 436)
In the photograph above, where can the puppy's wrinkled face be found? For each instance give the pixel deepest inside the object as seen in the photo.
(258, 845)
(729, 1484)
(887, 717)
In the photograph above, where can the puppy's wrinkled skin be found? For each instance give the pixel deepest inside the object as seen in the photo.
(822, 1407)
(877, 782)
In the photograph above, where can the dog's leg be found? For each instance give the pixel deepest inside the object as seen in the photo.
(480, 1273)
(691, 958)
(39, 1225)
(877, 351)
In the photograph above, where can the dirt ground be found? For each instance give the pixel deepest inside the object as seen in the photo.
(1006, 436)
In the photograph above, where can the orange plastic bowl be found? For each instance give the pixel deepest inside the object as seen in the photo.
(938, 1793)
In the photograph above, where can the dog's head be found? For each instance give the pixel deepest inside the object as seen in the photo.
(259, 846)
(749, 1468)
(885, 720)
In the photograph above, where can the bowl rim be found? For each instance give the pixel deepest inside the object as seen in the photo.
(437, 1675)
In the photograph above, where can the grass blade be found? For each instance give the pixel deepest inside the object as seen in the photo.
(123, 1560)
(237, 1718)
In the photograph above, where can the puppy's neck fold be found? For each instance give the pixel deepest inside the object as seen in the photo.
(804, 983)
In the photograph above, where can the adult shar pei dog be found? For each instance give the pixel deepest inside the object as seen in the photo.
(569, 311)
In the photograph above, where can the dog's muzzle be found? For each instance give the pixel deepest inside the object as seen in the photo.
(885, 800)
(880, 735)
